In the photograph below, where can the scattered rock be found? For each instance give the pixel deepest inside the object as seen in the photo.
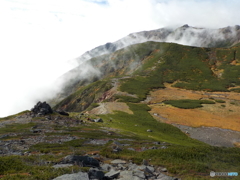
(117, 143)
(132, 167)
(106, 167)
(165, 177)
(153, 147)
(98, 141)
(48, 118)
(112, 174)
(75, 176)
(116, 149)
(144, 149)
(130, 175)
(149, 169)
(131, 149)
(118, 161)
(126, 175)
(139, 175)
(62, 112)
(164, 169)
(145, 162)
(36, 130)
(98, 120)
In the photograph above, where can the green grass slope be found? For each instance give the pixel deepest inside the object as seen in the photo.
(139, 122)
(184, 156)
(193, 68)
(143, 67)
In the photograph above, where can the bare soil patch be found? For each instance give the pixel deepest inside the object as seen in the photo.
(110, 107)
(223, 115)
(195, 117)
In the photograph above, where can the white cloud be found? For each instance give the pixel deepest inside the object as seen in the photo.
(38, 37)
(203, 13)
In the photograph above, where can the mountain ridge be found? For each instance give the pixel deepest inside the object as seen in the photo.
(205, 38)
(202, 37)
(127, 60)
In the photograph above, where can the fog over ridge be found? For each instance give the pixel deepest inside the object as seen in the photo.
(40, 40)
(185, 35)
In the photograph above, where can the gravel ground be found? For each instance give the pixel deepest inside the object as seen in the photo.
(19, 119)
(212, 135)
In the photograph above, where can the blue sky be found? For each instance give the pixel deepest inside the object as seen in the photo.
(39, 39)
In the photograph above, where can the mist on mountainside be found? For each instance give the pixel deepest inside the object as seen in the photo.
(185, 35)
(84, 70)
(36, 37)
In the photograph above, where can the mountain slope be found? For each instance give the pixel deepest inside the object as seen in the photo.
(89, 71)
(148, 88)
(149, 65)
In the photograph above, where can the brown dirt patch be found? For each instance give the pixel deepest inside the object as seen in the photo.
(196, 117)
(237, 144)
(223, 115)
(110, 107)
(172, 93)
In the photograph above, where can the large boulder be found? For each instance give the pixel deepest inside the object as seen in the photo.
(84, 161)
(75, 176)
(41, 108)
(95, 173)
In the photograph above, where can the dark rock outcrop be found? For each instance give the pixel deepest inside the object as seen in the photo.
(41, 108)
(95, 173)
(84, 161)
(62, 112)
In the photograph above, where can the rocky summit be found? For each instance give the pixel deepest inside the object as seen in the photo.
(41, 108)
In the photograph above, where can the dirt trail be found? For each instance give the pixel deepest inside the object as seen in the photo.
(115, 83)
(110, 107)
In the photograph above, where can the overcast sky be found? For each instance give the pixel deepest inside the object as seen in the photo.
(39, 37)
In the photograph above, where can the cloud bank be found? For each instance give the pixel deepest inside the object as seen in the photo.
(38, 38)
